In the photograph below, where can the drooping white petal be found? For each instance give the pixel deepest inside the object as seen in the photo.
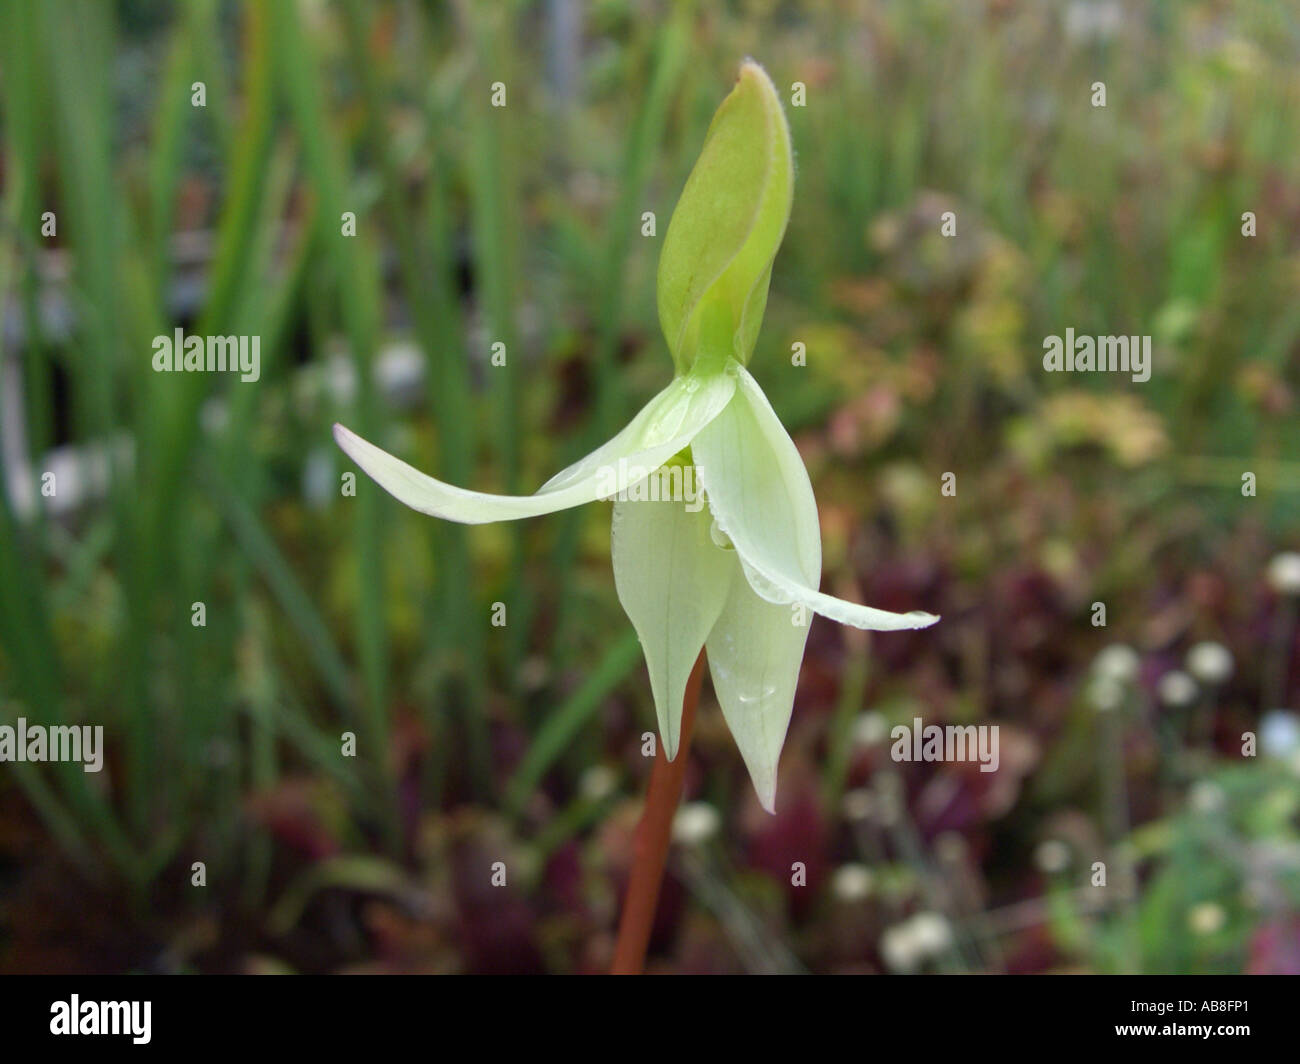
(754, 651)
(662, 428)
(672, 581)
(759, 492)
(671, 419)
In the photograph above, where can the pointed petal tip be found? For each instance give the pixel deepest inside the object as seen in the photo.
(345, 438)
(670, 745)
(764, 774)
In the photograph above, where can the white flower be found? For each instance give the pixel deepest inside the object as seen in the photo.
(1211, 663)
(857, 804)
(900, 949)
(1206, 918)
(1177, 689)
(1052, 856)
(1284, 573)
(933, 933)
(1206, 797)
(695, 824)
(922, 937)
(1105, 693)
(598, 782)
(749, 606)
(1279, 733)
(1118, 663)
(679, 589)
(870, 729)
(852, 882)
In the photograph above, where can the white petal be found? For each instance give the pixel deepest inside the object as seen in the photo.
(672, 581)
(760, 494)
(662, 428)
(671, 418)
(754, 654)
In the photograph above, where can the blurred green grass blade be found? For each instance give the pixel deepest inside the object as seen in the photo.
(320, 750)
(839, 755)
(640, 154)
(23, 116)
(642, 151)
(437, 321)
(78, 37)
(495, 228)
(165, 158)
(204, 18)
(449, 387)
(82, 149)
(494, 211)
(358, 286)
(25, 637)
(564, 725)
(575, 818)
(263, 299)
(296, 603)
(350, 872)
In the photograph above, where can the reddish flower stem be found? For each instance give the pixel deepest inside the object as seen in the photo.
(653, 834)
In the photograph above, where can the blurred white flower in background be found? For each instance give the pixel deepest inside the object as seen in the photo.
(1279, 733)
(1118, 663)
(923, 937)
(1176, 689)
(1205, 797)
(1210, 663)
(852, 882)
(1105, 694)
(1284, 573)
(1114, 670)
(1206, 918)
(933, 933)
(1052, 856)
(598, 782)
(870, 729)
(899, 948)
(857, 804)
(695, 824)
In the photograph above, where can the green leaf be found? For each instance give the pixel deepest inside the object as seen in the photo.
(717, 255)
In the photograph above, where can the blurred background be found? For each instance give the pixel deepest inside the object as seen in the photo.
(326, 613)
